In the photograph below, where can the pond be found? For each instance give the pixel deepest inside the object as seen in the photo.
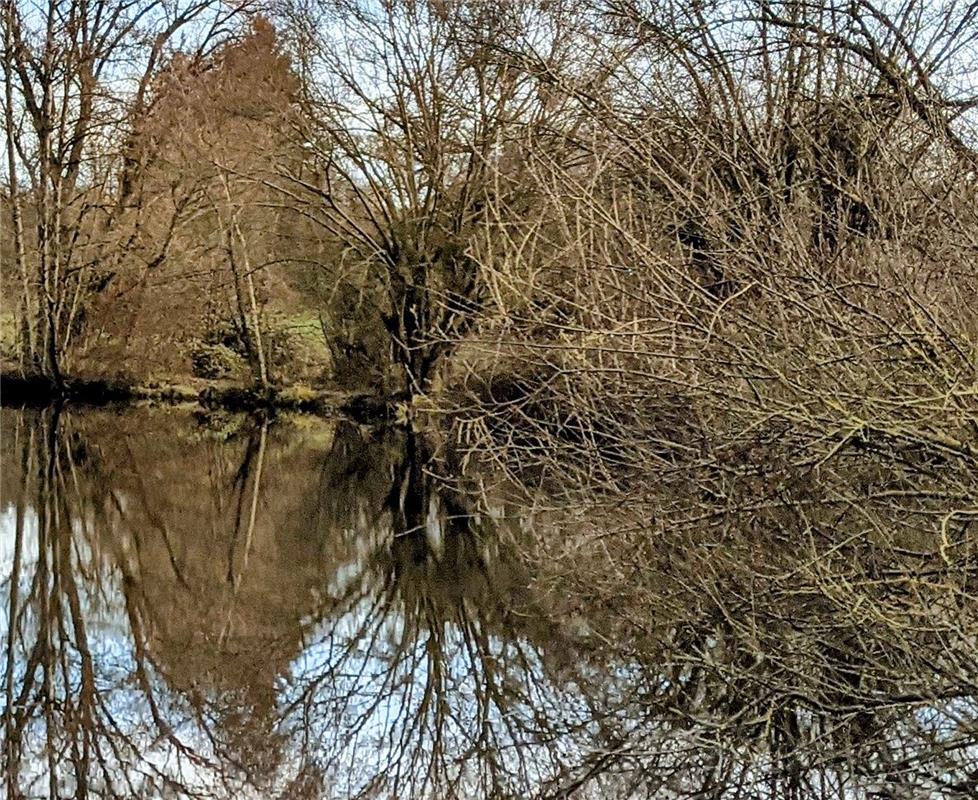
(222, 606)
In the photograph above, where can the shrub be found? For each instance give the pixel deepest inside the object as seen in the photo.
(213, 361)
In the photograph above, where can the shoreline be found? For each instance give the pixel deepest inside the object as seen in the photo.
(38, 391)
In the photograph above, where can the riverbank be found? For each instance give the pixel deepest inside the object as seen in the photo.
(18, 390)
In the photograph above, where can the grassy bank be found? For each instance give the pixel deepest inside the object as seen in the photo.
(33, 390)
(311, 393)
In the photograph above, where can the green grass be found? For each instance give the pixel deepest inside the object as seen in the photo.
(310, 354)
(304, 327)
(8, 335)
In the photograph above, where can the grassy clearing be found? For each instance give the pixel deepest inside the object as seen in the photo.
(8, 335)
(302, 352)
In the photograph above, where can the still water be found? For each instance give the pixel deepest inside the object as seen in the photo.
(227, 607)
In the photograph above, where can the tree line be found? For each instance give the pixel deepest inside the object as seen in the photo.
(590, 217)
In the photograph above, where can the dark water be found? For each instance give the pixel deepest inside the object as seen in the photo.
(225, 607)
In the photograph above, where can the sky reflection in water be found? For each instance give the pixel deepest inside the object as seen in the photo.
(223, 606)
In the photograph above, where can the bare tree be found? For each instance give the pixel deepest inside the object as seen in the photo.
(77, 75)
(413, 116)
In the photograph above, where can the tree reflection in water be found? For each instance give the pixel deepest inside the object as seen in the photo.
(299, 609)
(289, 608)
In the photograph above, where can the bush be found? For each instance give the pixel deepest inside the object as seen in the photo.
(214, 361)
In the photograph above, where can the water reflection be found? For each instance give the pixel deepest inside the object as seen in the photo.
(288, 608)
(231, 607)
